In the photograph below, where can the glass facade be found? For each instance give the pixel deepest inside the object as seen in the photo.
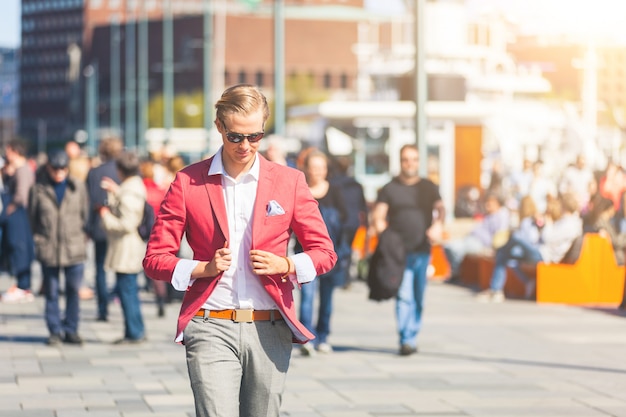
(9, 85)
(50, 90)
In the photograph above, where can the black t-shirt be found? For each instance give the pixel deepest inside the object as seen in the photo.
(410, 211)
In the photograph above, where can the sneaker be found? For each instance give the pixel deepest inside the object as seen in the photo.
(307, 349)
(497, 297)
(484, 296)
(407, 350)
(324, 348)
(17, 295)
(73, 339)
(86, 293)
(54, 340)
(490, 296)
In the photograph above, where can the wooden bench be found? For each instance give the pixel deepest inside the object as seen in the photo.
(476, 270)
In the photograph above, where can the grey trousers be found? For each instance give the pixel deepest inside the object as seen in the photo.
(237, 369)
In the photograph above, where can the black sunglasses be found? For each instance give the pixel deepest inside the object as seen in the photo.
(239, 137)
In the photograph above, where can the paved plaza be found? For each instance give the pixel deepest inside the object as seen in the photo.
(476, 359)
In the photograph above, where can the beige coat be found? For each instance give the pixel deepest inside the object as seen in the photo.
(126, 249)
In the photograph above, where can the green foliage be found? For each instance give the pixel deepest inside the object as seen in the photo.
(252, 4)
(300, 89)
(188, 110)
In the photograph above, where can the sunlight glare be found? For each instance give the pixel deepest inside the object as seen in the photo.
(596, 19)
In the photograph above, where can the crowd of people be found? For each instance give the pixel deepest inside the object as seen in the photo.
(57, 206)
(528, 217)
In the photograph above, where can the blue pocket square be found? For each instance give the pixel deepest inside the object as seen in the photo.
(274, 209)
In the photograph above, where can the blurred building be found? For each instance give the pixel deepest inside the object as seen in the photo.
(612, 77)
(9, 85)
(60, 38)
(562, 63)
(556, 60)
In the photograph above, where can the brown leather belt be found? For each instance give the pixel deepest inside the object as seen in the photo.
(242, 316)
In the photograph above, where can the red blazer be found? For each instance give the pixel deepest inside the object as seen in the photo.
(194, 204)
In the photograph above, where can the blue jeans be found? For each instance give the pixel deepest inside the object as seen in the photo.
(128, 292)
(515, 250)
(102, 291)
(410, 298)
(326, 284)
(23, 279)
(73, 280)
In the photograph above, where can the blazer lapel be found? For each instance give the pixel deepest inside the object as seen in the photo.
(265, 190)
(216, 200)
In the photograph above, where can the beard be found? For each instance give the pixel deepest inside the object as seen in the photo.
(411, 173)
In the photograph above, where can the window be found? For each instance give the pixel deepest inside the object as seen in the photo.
(327, 80)
(344, 81)
(259, 78)
(242, 77)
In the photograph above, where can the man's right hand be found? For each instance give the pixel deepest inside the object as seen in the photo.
(220, 262)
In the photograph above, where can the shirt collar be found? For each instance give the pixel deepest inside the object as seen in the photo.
(217, 167)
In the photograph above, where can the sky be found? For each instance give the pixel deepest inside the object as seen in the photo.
(602, 16)
(10, 23)
(10, 18)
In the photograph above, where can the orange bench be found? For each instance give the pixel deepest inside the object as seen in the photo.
(595, 278)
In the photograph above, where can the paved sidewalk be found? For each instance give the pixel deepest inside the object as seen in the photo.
(512, 359)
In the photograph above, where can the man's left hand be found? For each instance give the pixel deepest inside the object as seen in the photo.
(266, 263)
(435, 232)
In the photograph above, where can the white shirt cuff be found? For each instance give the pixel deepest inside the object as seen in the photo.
(181, 279)
(305, 270)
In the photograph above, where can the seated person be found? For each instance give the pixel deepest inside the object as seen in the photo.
(530, 221)
(561, 227)
(481, 238)
(604, 224)
(601, 218)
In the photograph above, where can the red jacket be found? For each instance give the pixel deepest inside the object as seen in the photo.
(194, 204)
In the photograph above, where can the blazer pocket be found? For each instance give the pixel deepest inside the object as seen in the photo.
(279, 219)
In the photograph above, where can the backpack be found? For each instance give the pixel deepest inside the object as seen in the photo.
(332, 219)
(147, 221)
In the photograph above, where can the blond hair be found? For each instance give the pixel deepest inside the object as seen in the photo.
(241, 99)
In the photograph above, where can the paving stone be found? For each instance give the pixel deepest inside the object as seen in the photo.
(513, 359)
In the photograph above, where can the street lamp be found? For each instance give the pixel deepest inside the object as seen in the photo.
(168, 69)
(421, 93)
(91, 108)
(279, 68)
(130, 82)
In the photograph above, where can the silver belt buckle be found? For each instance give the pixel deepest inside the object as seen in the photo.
(243, 316)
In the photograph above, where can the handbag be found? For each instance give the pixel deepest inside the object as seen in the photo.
(386, 266)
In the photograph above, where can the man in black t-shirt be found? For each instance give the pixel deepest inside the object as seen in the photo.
(412, 207)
